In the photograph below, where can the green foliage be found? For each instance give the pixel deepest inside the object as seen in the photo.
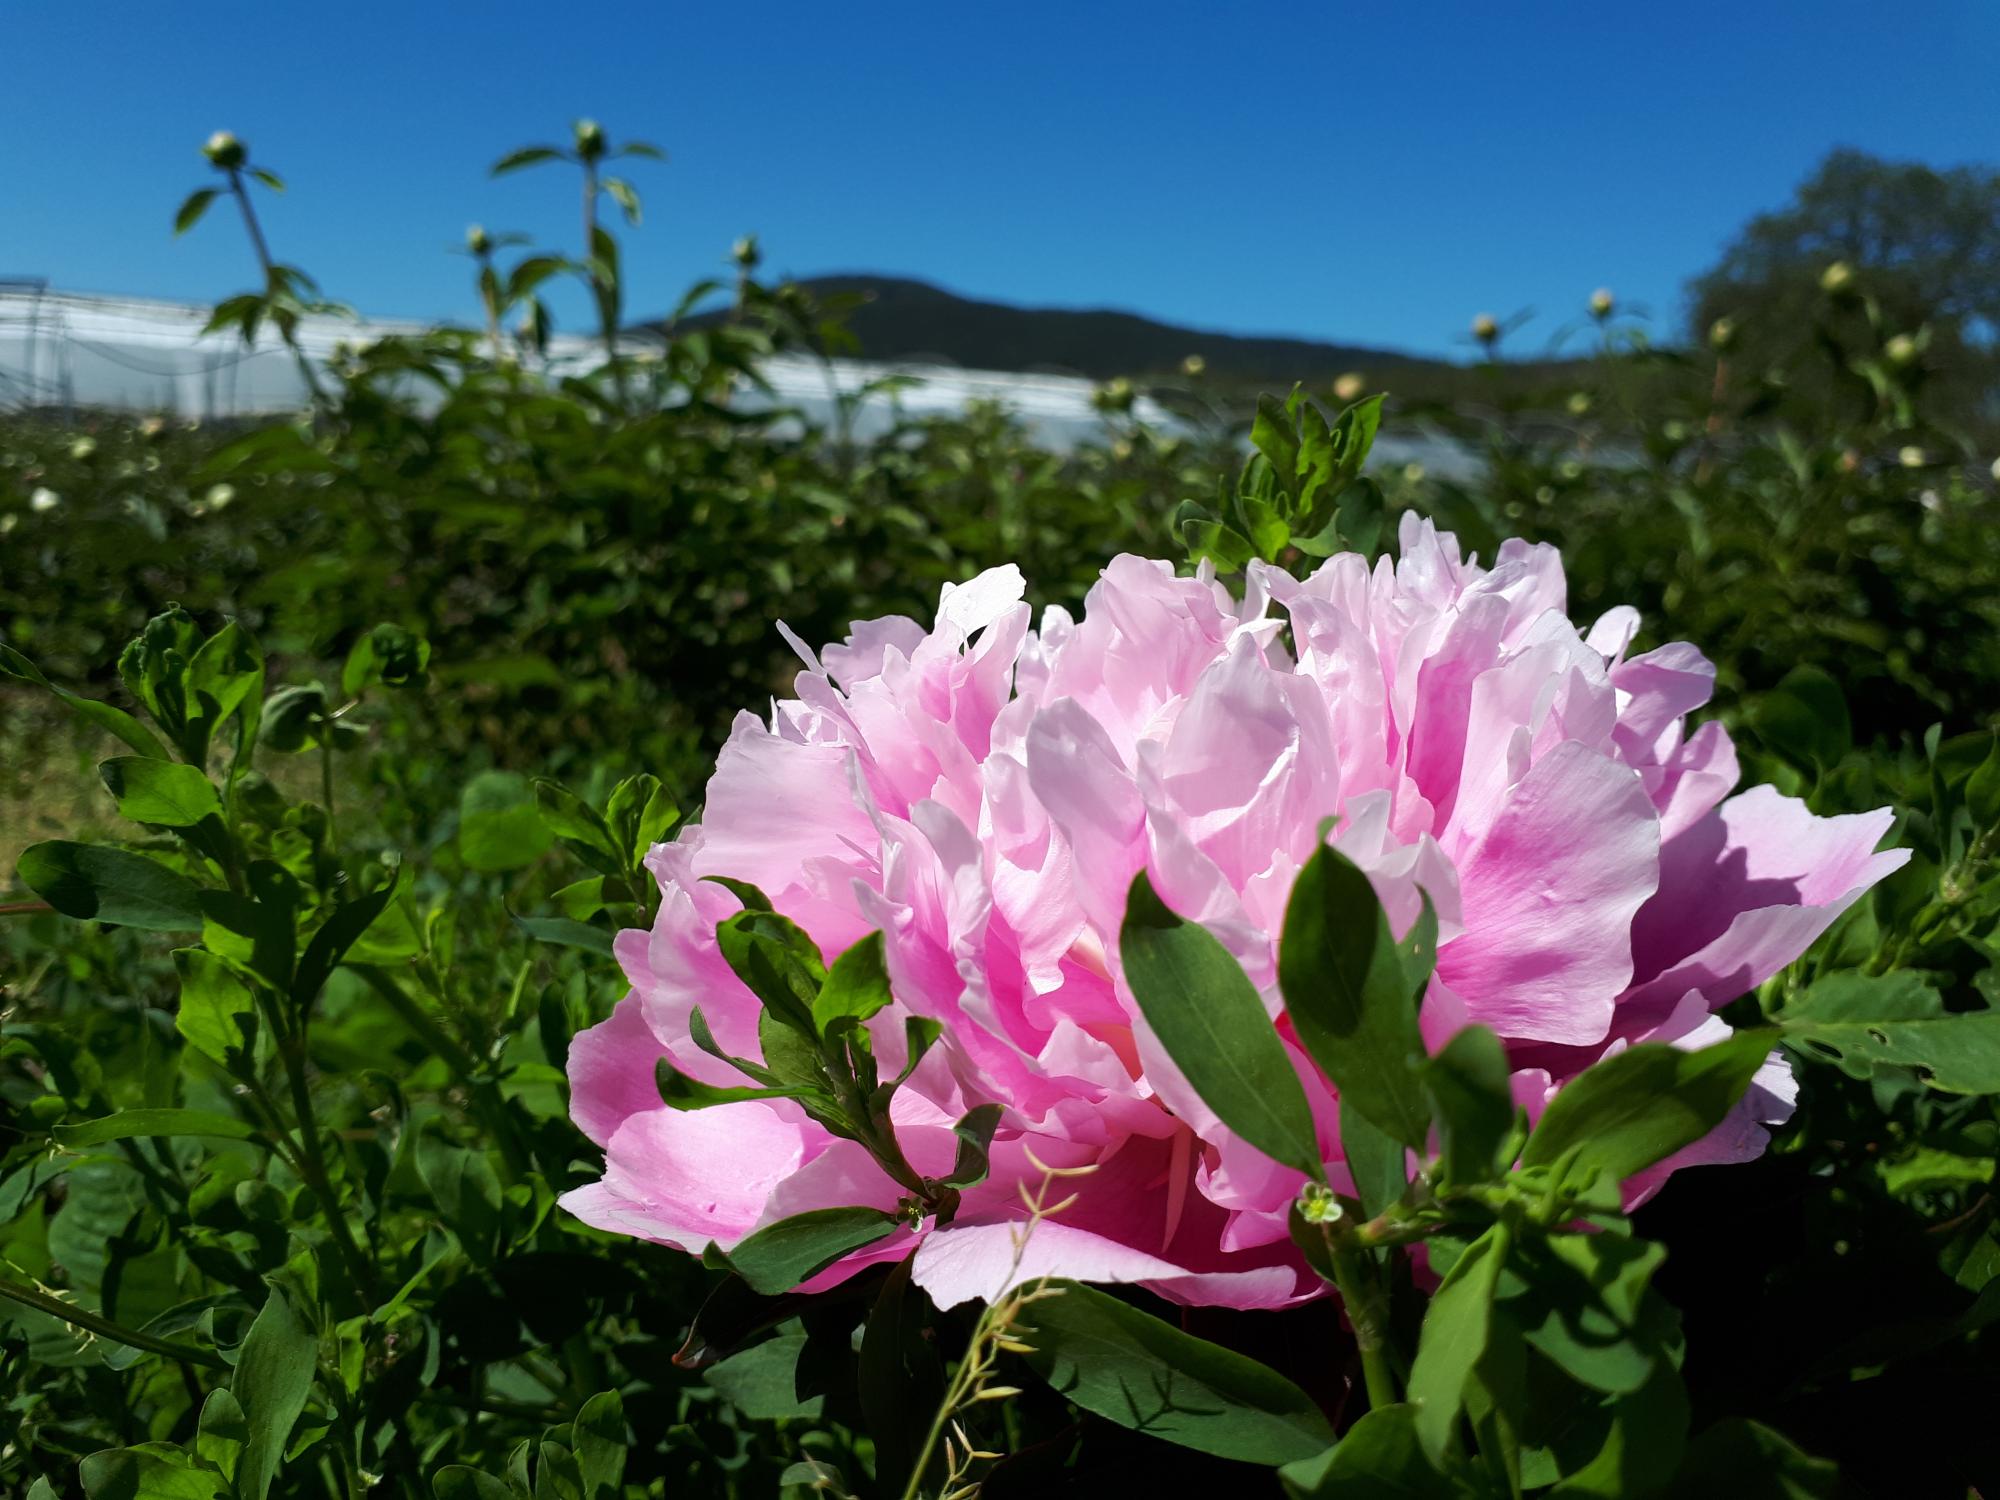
(283, 1061)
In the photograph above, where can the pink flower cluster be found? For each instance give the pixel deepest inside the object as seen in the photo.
(984, 793)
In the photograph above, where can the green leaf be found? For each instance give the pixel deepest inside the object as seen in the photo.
(975, 1139)
(1377, 1161)
(898, 1376)
(1380, 1458)
(1454, 1339)
(160, 791)
(1866, 1022)
(625, 195)
(1805, 719)
(762, 1382)
(679, 1091)
(1274, 435)
(113, 721)
(193, 206)
(1467, 1083)
(1584, 1306)
(1982, 789)
(1748, 1461)
(856, 987)
(1348, 994)
(781, 1255)
(274, 1374)
(598, 1439)
(461, 1482)
(779, 964)
(565, 933)
(499, 826)
(226, 676)
(336, 935)
(580, 828)
(222, 1432)
(1133, 1369)
(1210, 1019)
(217, 1012)
(130, 1123)
(1642, 1105)
(152, 1471)
(527, 156)
(97, 883)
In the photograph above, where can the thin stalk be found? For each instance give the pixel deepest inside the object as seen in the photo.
(264, 259)
(312, 1162)
(90, 1322)
(1361, 1295)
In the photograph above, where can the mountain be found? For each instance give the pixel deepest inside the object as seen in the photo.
(901, 318)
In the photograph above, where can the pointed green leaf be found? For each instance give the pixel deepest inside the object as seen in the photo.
(1348, 993)
(779, 1256)
(1213, 1025)
(1140, 1372)
(97, 883)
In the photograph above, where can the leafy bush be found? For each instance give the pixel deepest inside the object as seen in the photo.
(289, 999)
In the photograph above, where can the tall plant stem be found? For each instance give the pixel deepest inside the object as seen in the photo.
(90, 1322)
(263, 250)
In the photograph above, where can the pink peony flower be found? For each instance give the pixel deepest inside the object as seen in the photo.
(983, 794)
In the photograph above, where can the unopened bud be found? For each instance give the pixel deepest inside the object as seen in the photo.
(1601, 303)
(746, 254)
(1911, 457)
(219, 495)
(1995, 471)
(82, 448)
(1349, 387)
(1194, 366)
(153, 428)
(477, 240)
(1901, 351)
(1836, 278)
(1115, 395)
(1722, 335)
(43, 499)
(1485, 328)
(1850, 460)
(589, 139)
(225, 151)
(1579, 403)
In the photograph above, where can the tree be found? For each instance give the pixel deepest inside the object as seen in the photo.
(1921, 251)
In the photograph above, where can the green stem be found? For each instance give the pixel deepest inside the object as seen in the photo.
(55, 1307)
(264, 259)
(1361, 1294)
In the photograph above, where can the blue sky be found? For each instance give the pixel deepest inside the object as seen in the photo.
(1375, 174)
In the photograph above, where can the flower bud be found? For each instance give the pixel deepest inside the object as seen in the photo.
(43, 499)
(1836, 278)
(1850, 460)
(1901, 351)
(219, 495)
(82, 448)
(1194, 366)
(1349, 387)
(153, 429)
(1911, 456)
(1722, 335)
(1115, 395)
(1485, 328)
(1413, 473)
(589, 139)
(225, 151)
(477, 240)
(1601, 303)
(746, 254)
(1995, 471)
(1579, 403)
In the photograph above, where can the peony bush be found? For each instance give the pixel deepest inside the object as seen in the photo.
(982, 793)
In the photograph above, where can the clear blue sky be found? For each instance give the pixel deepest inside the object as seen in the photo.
(1375, 173)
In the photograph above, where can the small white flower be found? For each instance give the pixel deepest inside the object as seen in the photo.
(43, 499)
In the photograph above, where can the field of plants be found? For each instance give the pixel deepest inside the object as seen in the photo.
(1298, 1017)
